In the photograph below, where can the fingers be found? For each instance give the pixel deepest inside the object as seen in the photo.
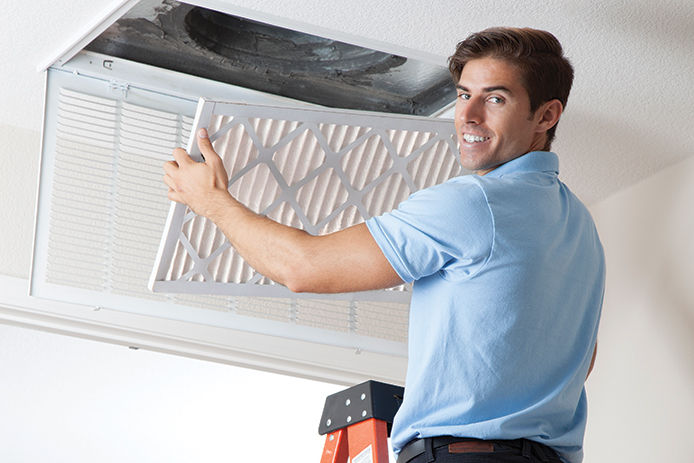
(174, 196)
(189, 180)
(205, 145)
(170, 182)
(181, 157)
(170, 167)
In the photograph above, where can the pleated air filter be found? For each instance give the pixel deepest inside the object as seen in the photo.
(318, 170)
(102, 207)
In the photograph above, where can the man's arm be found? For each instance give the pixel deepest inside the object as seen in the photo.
(344, 261)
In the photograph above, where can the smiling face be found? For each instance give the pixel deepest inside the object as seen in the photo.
(492, 115)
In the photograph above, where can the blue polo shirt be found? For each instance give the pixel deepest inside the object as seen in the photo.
(508, 275)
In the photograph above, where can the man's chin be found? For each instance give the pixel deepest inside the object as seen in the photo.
(473, 165)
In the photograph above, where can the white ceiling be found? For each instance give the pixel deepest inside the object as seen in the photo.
(627, 117)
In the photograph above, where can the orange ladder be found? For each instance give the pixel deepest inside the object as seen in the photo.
(357, 422)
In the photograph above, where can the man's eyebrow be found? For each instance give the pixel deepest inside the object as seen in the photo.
(496, 88)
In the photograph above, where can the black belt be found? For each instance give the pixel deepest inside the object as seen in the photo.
(417, 447)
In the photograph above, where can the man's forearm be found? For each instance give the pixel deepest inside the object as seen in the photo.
(275, 250)
(348, 260)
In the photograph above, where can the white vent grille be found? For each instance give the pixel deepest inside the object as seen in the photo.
(102, 207)
(107, 208)
(318, 170)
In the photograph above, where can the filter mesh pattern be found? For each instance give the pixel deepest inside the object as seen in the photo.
(316, 176)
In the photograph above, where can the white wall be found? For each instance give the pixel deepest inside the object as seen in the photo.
(69, 400)
(641, 394)
(19, 157)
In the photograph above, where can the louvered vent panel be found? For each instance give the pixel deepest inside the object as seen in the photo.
(146, 139)
(80, 239)
(320, 171)
(108, 202)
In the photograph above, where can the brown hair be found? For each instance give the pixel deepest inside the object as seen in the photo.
(546, 74)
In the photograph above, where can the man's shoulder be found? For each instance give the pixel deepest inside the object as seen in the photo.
(461, 188)
(458, 199)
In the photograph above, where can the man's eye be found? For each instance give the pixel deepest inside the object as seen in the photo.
(464, 96)
(496, 99)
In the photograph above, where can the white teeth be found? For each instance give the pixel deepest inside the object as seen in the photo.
(473, 138)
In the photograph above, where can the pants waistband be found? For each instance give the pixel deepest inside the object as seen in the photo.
(416, 447)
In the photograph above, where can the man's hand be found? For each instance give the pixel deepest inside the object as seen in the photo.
(199, 185)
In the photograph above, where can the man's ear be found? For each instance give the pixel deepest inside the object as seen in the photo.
(548, 114)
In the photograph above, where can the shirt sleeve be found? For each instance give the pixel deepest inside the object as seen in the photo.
(447, 228)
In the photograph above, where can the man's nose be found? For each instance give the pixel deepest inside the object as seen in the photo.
(472, 112)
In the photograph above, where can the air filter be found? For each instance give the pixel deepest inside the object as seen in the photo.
(315, 169)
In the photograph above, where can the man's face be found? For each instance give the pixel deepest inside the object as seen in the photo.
(492, 116)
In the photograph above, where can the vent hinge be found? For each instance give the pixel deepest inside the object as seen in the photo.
(119, 88)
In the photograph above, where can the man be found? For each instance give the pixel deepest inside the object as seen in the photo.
(507, 265)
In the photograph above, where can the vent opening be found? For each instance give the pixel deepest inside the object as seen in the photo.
(258, 44)
(271, 59)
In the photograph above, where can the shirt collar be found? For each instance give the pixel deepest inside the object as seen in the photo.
(534, 161)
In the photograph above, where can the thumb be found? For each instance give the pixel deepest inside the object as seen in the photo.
(204, 143)
(212, 159)
(208, 152)
(205, 146)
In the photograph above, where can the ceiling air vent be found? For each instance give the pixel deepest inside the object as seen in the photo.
(103, 219)
(272, 59)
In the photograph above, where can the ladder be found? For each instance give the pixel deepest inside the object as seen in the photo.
(357, 422)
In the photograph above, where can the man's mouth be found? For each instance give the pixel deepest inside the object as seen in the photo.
(469, 138)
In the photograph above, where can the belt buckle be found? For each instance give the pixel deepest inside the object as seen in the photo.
(473, 446)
